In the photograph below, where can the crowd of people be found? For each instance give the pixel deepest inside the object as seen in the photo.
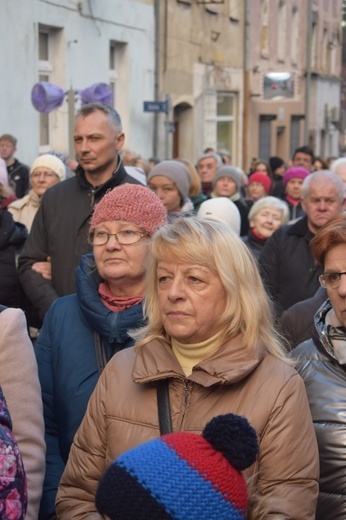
(150, 311)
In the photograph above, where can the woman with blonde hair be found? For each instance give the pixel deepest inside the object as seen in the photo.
(209, 348)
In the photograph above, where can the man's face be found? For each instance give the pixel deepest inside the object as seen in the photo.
(206, 169)
(304, 160)
(97, 143)
(321, 203)
(7, 149)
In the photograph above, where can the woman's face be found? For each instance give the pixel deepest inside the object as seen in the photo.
(262, 167)
(43, 178)
(225, 187)
(167, 192)
(294, 188)
(192, 299)
(266, 222)
(121, 266)
(256, 190)
(335, 262)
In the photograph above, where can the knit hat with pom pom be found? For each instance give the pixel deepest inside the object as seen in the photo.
(131, 203)
(183, 475)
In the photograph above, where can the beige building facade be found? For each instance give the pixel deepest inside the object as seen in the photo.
(235, 73)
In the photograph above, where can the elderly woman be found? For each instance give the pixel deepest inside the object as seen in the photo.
(293, 183)
(209, 348)
(46, 170)
(81, 332)
(321, 362)
(265, 216)
(258, 187)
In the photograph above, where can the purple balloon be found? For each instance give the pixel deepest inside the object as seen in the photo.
(97, 92)
(46, 97)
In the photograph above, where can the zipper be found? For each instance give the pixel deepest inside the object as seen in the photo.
(92, 197)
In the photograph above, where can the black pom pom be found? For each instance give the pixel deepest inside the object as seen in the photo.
(233, 436)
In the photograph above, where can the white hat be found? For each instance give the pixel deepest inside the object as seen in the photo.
(221, 209)
(50, 161)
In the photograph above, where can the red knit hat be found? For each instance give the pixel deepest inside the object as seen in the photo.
(262, 179)
(132, 203)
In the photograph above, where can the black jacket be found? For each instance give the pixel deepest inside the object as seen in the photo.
(287, 266)
(60, 231)
(254, 244)
(12, 236)
(297, 322)
(325, 382)
(18, 176)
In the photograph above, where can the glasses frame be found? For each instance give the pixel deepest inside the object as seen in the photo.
(326, 284)
(140, 234)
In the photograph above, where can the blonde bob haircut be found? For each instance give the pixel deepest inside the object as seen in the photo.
(211, 244)
(270, 203)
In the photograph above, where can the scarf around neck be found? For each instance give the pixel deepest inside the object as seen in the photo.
(116, 303)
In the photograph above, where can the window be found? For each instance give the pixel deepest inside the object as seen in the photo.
(117, 64)
(282, 25)
(45, 69)
(295, 32)
(220, 121)
(264, 43)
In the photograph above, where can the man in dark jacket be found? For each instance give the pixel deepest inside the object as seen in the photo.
(287, 266)
(60, 228)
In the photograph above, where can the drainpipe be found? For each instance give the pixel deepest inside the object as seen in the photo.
(246, 80)
(156, 73)
(308, 74)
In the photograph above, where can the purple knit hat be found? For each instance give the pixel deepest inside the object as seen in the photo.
(297, 172)
(132, 203)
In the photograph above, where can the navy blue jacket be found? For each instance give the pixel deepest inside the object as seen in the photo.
(67, 365)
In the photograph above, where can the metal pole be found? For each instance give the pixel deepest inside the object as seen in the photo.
(308, 74)
(156, 74)
(71, 106)
(246, 100)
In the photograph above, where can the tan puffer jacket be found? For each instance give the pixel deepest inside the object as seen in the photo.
(122, 413)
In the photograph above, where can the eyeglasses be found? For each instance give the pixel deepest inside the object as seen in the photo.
(46, 175)
(330, 280)
(125, 237)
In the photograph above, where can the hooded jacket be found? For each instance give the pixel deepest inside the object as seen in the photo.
(60, 231)
(68, 368)
(122, 413)
(325, 382)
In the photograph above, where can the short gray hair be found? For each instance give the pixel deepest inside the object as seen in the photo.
(270, 203)
(337, 163)
(113, 116)
(327, 176)
(214, 155)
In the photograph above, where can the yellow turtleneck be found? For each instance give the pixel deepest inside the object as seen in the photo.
(191, 354)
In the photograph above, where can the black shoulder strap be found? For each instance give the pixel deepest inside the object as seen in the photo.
(100, 352)
(163, 406)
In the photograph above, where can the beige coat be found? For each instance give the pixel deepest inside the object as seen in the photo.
(122, 413)
(21, 387)
(25, 209)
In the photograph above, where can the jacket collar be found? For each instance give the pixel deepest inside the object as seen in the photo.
(300, 229)
(230, 364)
(119, 172)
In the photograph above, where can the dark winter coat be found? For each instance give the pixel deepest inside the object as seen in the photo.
(297, 322)
(325, 382)
(287, 266)
(12, 237)
(254, 244)
(60, 231)
(18, 177)
(67, 364)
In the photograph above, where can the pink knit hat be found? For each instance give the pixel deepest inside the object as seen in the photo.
(296, 172)
(131, 203)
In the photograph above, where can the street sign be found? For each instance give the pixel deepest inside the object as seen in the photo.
(154, 106)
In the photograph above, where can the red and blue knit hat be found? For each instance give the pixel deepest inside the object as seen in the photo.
(183, 476)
